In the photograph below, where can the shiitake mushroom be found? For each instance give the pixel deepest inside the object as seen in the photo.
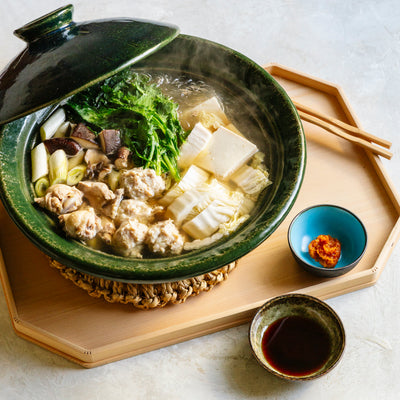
(110, 141)
(84, 136)
(70, 146)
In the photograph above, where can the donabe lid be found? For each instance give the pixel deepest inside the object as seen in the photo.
(63, 57)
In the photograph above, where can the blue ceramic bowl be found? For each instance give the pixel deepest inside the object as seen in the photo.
(331, 220)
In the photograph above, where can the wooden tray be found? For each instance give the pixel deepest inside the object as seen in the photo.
(50, 311)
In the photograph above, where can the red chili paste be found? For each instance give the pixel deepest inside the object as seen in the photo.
(326, 250)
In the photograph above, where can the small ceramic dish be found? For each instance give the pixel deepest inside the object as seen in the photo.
(297, 337)
(330, 220)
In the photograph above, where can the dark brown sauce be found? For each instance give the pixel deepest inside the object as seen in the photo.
(296, 345)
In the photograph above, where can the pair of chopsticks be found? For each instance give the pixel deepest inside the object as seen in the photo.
(351, 133)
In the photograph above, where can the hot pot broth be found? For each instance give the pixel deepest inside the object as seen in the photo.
(155, 224)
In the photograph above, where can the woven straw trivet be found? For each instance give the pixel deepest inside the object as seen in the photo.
(144, 296)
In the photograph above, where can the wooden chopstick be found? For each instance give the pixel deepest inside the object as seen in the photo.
(346, 131)
(359, 132)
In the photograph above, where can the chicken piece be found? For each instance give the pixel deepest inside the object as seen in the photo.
(164, 238)
(141, 184)
(107, 229)
(137, 210)
(61, 199)
(96, 193)
(110, 209)
(82, 224)
(129, 237)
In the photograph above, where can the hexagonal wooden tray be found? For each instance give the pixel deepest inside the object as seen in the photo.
(53, 313)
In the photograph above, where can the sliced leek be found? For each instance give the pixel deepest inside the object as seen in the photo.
(76, 174)
(58, 167)
(62, 130)
(41, 185)
(76, 160)
(49, 128)
(39, 162)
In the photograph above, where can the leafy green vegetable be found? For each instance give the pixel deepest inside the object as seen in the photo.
(147, 119)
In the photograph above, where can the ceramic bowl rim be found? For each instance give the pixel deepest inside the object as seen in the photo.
(315, 267)
(311, 299)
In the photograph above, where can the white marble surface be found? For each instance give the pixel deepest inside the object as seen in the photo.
(353, 43)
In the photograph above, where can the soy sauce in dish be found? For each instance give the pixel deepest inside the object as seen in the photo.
(296, 345)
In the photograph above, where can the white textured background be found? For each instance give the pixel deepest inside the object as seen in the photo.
(355, 44)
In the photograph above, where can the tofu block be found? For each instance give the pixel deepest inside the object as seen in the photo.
(225, 153)
(195, 143)
(213, 106)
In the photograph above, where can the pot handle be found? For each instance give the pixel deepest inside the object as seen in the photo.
(53, 22)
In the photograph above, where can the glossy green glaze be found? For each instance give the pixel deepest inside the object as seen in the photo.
(303, 306)
(279, 134)
(63, 57)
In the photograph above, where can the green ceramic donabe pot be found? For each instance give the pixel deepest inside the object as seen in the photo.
(269, 119)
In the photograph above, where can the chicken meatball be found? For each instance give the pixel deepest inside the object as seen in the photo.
(164, 238)
(129, 237)
(138, 210)
(141, 184)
